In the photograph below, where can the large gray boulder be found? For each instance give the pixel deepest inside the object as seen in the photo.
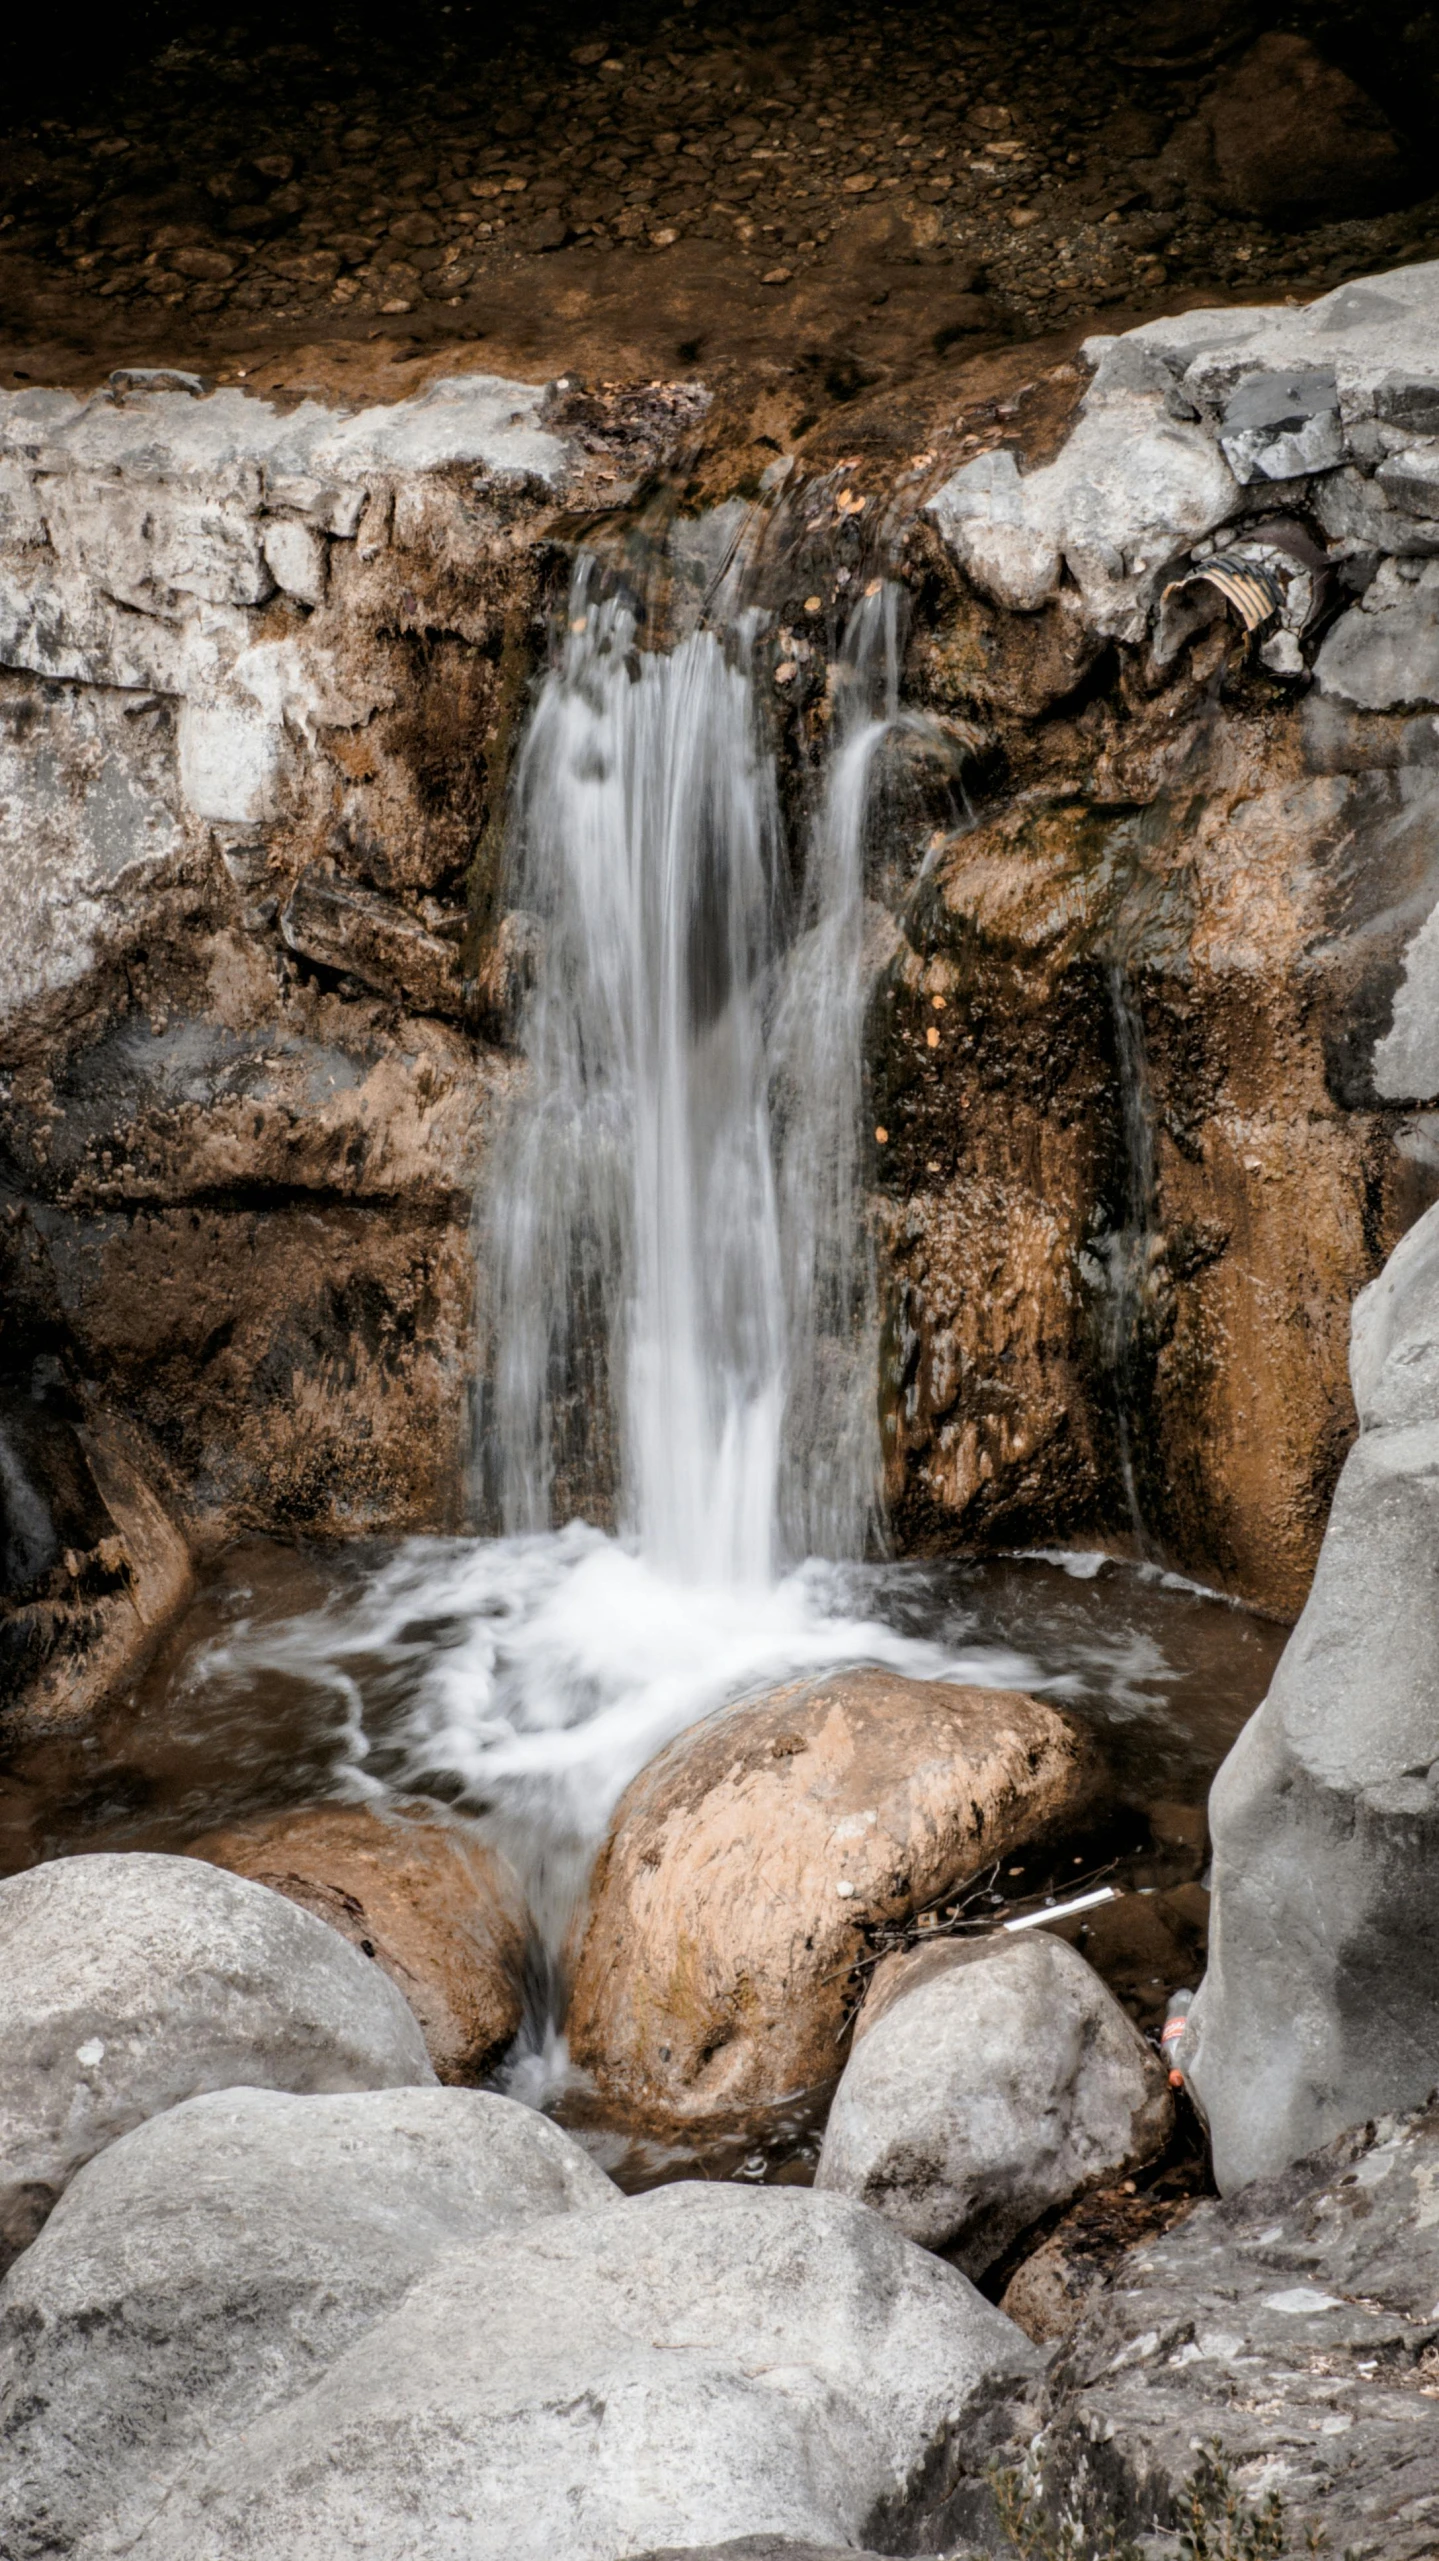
(129, 1982)
(1296, 2323)
(216, 2260)
(988, 2083)
(694, 2365)
(1321, 2003)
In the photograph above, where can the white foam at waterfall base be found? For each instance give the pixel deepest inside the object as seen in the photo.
(528, 1679)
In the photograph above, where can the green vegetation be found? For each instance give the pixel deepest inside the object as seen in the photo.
(1216, 2523)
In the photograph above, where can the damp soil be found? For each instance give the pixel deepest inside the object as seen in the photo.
(207, 1734)
(827, 203)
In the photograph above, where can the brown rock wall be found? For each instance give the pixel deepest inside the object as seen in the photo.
(1134, 1170)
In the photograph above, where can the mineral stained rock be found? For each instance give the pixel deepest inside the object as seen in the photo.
(715, 1965)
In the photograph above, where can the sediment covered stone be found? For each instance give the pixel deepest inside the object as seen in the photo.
(745, 1865)
(131, 1981)
(988, 2084)
(1321, 2002)
(1288, 137)
(213, 2263)
(442, 1914)
(697, 2364)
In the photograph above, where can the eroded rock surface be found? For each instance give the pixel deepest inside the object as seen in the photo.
(129, 1982)
(988, 2084)
(744, 1866)
(1152, 1058)
(1296, 2322)
(260, 671)
(215, 2261)
(1320, 2002)
(443, 1915)
(690, 2366)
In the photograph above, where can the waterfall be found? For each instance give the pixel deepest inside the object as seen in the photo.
(679, 1279)
(1125, 1251)
(831, 1453)
(684, 1298)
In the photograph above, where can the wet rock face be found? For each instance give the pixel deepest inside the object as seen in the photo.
(440, 1913)
(1296, 2323)
(744, 1866)
(260, 672)
(1319, 2005)
(1152, 1057)
(1151, 1046)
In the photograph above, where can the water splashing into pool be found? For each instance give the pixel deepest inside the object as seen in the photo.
(680, 1431)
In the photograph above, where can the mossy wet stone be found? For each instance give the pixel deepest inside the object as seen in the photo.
(747, 1865)
(441, 1913)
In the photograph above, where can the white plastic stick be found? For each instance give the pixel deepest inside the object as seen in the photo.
(1060, 1911)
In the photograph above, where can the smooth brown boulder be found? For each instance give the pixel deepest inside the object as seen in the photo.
(440, 1913)
(1287, 138)
(747, 1866)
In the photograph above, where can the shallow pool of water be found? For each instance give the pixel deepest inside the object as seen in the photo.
(521, 1683)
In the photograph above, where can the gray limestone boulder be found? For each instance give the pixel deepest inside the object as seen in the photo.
(1321, 2003)
(1383, 654)
(758, 2547)
(216, 2260)
(1298, 2323)
(989, 2082)
(694, 2365)
(129, 1982)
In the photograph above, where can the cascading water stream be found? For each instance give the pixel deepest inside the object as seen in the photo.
(1125, 1251)
(685, 1290)
(681, 1427)
(682, 1309)
(633, 1227)
(831, 1456)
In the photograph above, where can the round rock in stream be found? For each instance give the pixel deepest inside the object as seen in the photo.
(130, 1981)
(213, 2262)
(988, 2084)
(439, 1911)
(745, 1865)
(704, 2362)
